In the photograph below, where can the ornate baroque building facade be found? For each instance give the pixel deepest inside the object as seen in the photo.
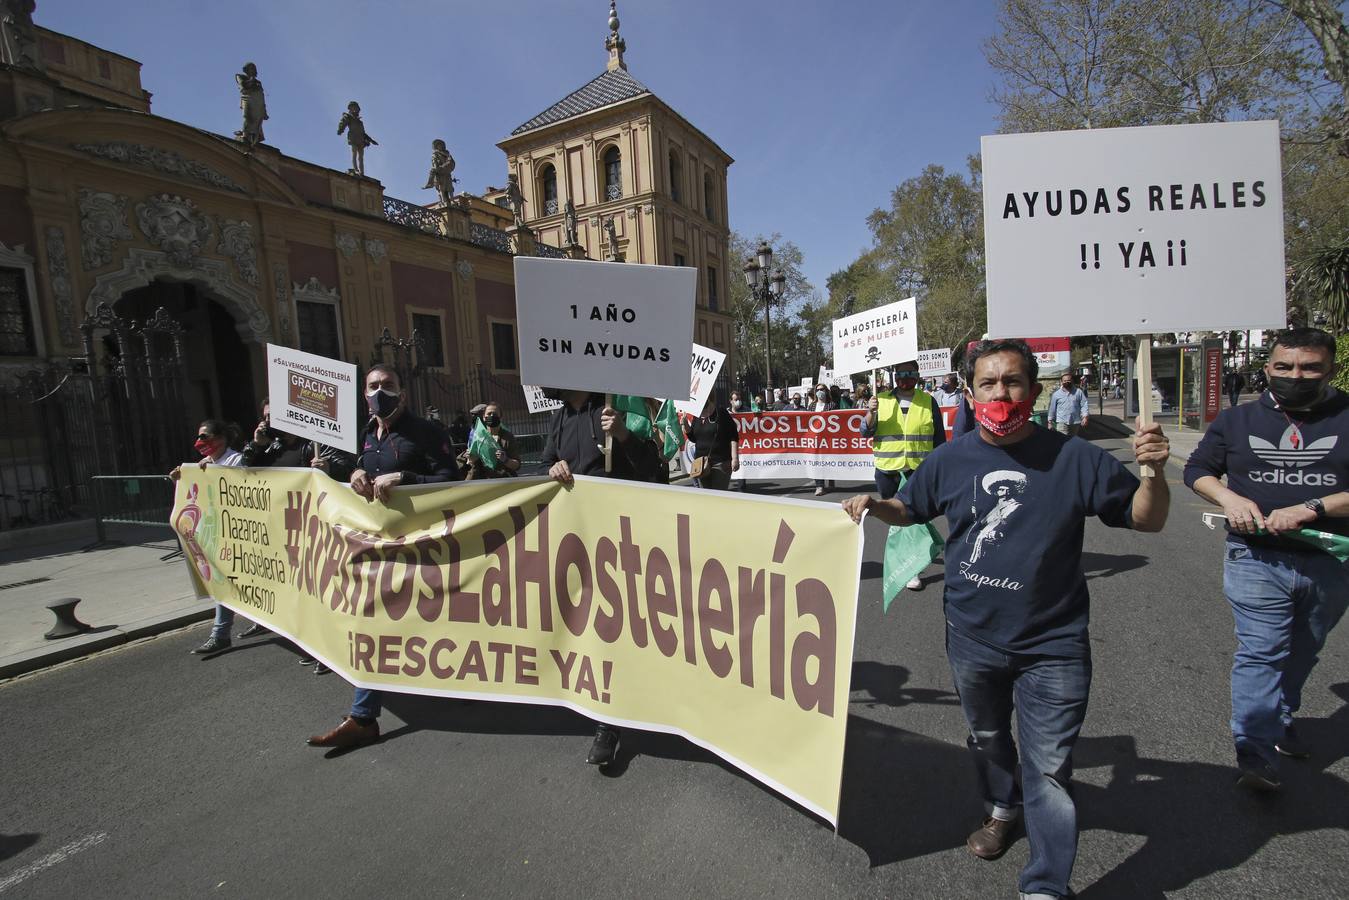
(103, 202)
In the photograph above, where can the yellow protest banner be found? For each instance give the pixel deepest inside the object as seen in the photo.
(726, 619)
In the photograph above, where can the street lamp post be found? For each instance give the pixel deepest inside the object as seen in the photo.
(765, 287)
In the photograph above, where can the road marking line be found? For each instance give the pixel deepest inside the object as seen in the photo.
(51, 859)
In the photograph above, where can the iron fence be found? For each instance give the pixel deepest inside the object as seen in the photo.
(130, 500)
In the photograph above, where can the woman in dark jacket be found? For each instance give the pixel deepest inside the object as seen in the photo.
(716, 436)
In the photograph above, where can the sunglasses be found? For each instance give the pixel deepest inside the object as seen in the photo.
(906, 374)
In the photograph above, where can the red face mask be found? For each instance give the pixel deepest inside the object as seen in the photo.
(206, 447)
(1002, 417)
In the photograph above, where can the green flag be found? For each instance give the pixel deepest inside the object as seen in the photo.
(482, 445)
(667, 423)
(1337, 545)
(908, 550)
(638, 418)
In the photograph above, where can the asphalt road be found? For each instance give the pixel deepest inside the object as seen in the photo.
(147, 772)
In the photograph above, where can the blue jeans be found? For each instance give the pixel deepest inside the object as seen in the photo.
(1285, 602)
(1049, 694)
(224, 621)
(887, 483)
(367, 704)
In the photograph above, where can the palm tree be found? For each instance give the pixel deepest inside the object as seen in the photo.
(1322, 282)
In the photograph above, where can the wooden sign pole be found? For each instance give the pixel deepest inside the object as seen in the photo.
(1143, 373)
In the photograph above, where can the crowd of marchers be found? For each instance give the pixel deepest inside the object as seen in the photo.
(1015, 488)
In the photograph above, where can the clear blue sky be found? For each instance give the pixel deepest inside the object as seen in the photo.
(825, 106)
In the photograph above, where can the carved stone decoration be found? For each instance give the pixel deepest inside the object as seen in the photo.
(347, 243)
(376, 249)
(102, 225)
(279, 285)
(58, 270)
(141, 267)
(166, 161)
(174, 225)
(464, 268)
(236, 242)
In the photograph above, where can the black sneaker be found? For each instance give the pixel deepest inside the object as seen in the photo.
(321, 669)
(307, 660)
(253, 631)
(1257, 775)
(605, 748)
(1291, 745)
(213, 645)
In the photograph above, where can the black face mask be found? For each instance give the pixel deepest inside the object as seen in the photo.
(383, 403)
(492, 420)
(1296, 393)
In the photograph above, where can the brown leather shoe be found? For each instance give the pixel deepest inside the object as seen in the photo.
(347, 735)
(992, 838)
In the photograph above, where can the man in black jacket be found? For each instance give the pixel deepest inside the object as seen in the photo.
(1286, 458)
(397, 448)
(576, 437)
(273, 449)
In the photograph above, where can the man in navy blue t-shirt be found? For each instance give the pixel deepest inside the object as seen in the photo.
(1286, 458)
(1016, 497)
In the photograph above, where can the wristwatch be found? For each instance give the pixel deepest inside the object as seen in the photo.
(1315, 505)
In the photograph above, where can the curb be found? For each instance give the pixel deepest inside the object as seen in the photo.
(27, 661)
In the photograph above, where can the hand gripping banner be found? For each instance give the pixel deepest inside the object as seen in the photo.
(726, 619)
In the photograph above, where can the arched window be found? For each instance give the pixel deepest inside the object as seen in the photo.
(548, 189)
(709, 198)
(613, 173)
(676, 178)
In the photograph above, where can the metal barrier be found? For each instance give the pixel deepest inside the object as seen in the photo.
(131, 500)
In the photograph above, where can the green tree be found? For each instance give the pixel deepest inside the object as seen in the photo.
(747, 314)
(1105, 63)
(928, 244)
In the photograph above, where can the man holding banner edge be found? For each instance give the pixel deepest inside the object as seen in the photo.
(1016, 497)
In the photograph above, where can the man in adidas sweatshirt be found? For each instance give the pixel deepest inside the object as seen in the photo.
(1286, 458)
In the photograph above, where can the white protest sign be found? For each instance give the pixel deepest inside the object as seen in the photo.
(934, 362)
(829, 379)
(878, 337)
(313, 396)
(606, 327)
(537, 401)
(702, 377)
(807, 384)
(1134, 230)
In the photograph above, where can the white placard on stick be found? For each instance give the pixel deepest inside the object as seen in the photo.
(878, 337)
(706, 365)
(313, 396)
(1134, 230)
(537, 401)
(829, 379)
(934, 362)
(607, 327)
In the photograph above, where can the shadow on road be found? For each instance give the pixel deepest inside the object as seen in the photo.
(884, 685)
(14, 844)
(1195, 820)
(1104, 565)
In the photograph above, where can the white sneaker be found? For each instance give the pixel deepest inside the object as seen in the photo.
(819, 492)
(915, 584)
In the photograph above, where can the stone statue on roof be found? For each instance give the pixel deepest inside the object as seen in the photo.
(515, 200)
(570, 227)
(18, 35)
(441, 176)
(253, 103)
(357, 138)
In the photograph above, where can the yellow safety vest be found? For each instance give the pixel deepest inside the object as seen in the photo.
(902, 441)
